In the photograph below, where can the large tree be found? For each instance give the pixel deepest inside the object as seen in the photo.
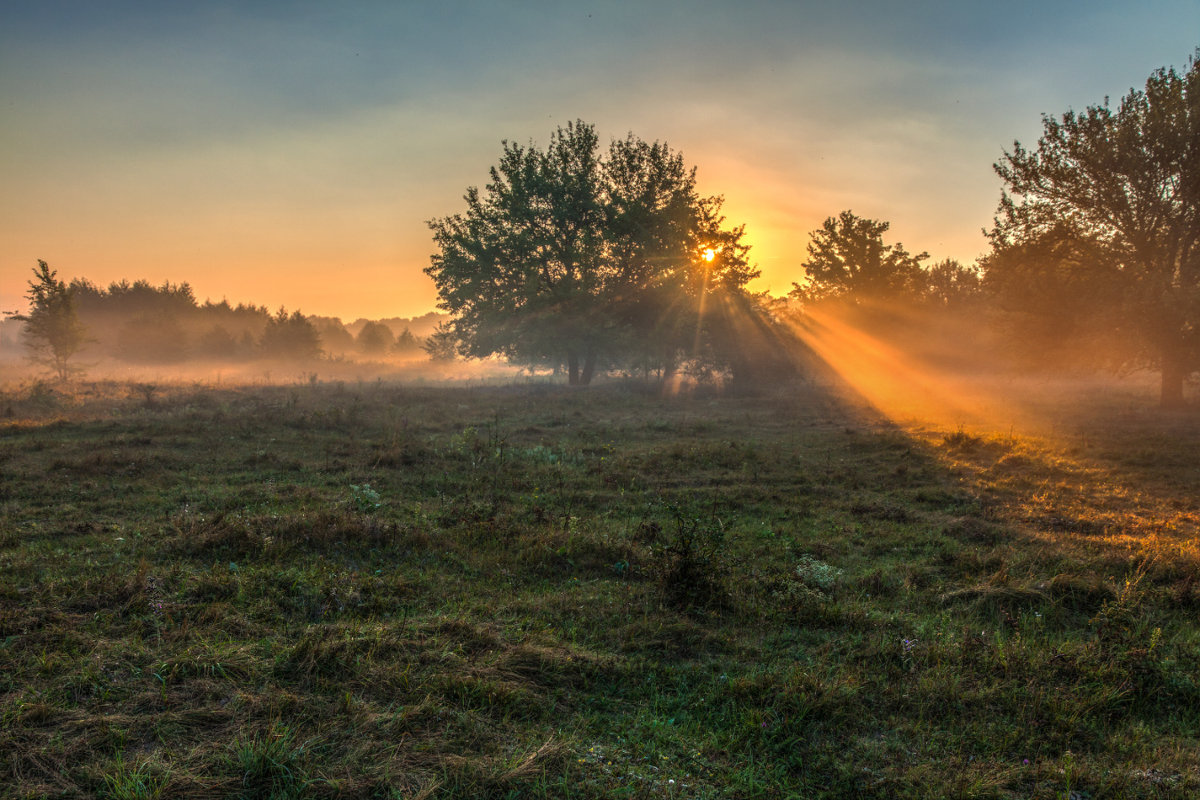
(1109, 202)
(52, 331)
(575, 256)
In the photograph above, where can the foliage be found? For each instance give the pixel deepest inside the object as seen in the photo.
(693, 569)
(364, 499)
(406, 342)
(217, 342)
(140, 322)
(375, 338)
(949, 284)
(1108, 206)
(153, 339)
(1058, 291)
(573, 257)
(816, 573)
(290, 336)
(52, 330)
(134, 299)
(848, 261)
(442, 344)
(335, 338)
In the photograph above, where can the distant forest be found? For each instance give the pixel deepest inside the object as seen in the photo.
(140, 323)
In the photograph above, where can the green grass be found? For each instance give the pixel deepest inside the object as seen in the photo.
(378, 591)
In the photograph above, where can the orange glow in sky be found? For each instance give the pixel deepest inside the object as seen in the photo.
(291, 154)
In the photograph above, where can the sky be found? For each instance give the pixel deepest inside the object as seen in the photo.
(292, 153)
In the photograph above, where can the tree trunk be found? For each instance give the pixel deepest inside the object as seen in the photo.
(572, 369)
(1173, 373)
(589, 368)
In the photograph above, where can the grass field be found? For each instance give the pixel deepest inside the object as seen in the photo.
(368, 590)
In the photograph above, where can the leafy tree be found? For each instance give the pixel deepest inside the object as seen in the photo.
(152, 338)
(290, 336)
(949, 284)
(848, 260)
(442, 344)
(52, 327)
(1056, 291)
(217, 342)
(375, 337)
(570, 256)
(334, 336)
(1109, 203)
(406, 342)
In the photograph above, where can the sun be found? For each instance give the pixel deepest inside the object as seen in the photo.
(709, 254)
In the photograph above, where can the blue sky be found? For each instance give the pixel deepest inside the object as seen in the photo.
(290, 153)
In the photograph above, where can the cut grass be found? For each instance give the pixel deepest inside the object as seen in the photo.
(380, 591)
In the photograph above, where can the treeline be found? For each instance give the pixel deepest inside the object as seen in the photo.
(139, 322)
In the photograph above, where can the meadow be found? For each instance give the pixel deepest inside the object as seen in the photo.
(366, 589)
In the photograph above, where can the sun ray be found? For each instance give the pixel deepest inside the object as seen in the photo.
(900, 385)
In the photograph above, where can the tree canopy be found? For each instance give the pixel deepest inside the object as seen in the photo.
(577, 257)
(1108, 202)
(848, 260)
(291, 336)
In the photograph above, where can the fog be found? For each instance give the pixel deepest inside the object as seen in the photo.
(968, 371)
(16, 370)
(917, 366)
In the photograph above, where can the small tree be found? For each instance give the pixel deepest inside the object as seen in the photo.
(1125, 184)
(406, 342)
(442, 344)
(950, 285)
(848, 260)
(375, 338)
(52, 328)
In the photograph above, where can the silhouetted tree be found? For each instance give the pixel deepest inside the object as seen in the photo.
(572, 257)
(406, 342)
(848, 261)
(290, 336)
(1055, 292)
(374, 338)
(948, 284)
(52, 330)
(1122, 187)
(334, 336)
(442, 344)
(153, 338)
(217, 342)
